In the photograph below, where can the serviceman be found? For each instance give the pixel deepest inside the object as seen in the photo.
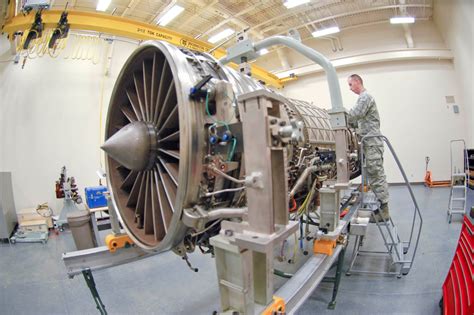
(366, 117)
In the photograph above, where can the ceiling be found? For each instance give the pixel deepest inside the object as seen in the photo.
(204, 18)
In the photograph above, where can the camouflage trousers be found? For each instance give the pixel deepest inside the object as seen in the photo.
(375, 172)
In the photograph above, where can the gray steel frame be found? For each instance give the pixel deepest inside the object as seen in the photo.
(244, 251)
(296, 290)
(100, 258)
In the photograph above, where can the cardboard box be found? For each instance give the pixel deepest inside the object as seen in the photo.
(30, 214)
(34, 226)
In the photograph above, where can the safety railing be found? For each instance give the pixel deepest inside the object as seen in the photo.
(416, 212)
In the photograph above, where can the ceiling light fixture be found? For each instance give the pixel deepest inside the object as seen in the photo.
(173, 12)
(221, 35)
(102, 5)
(294, 3)
(402, 20)
(263, 51)
(326, 31)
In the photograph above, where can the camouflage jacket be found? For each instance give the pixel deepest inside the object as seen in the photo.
(365, 116)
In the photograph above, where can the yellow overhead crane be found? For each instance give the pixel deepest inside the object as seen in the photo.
(119, 26)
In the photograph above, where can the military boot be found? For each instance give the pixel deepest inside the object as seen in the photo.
(384, 211)
(381, 215)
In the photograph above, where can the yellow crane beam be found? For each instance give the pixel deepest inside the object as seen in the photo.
(119, 26)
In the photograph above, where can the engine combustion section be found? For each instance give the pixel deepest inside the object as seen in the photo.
(174, 142)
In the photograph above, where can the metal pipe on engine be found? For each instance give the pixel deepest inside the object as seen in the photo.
(305, 175)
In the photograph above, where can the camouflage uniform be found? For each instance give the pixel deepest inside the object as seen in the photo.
(366, 117)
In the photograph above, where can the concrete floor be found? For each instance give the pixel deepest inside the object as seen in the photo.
(33, 279)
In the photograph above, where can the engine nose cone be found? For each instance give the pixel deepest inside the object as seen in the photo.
(133, 146)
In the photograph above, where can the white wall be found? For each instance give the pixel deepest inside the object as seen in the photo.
(50, 113)
(455, 21)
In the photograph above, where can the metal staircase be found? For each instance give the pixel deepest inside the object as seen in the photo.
(395, 247)
(401, 253)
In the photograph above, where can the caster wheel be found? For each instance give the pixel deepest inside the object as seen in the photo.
(399, 276)
(348, 274)
(12, 241)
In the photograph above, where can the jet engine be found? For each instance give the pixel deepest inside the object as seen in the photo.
(174, 142)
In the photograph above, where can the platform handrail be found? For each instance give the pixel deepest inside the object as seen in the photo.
(465, 155)
(405, 178)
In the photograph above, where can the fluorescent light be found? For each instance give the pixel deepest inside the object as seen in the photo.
(221, 35)
(294, 3)
(102, 5)
(170, 15)
(326, 31)
(263, 51)
(402, 20)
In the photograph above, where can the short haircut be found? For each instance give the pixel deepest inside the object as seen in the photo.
(356, 77)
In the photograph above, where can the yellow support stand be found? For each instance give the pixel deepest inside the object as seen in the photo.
(277, 307)
(324, 246)
(117, 241)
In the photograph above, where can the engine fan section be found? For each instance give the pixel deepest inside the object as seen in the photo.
(143, 145)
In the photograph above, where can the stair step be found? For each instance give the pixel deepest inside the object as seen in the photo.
(405, 268)
(406, 247)
(397, 245)
(397, 248)
(458, 199)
